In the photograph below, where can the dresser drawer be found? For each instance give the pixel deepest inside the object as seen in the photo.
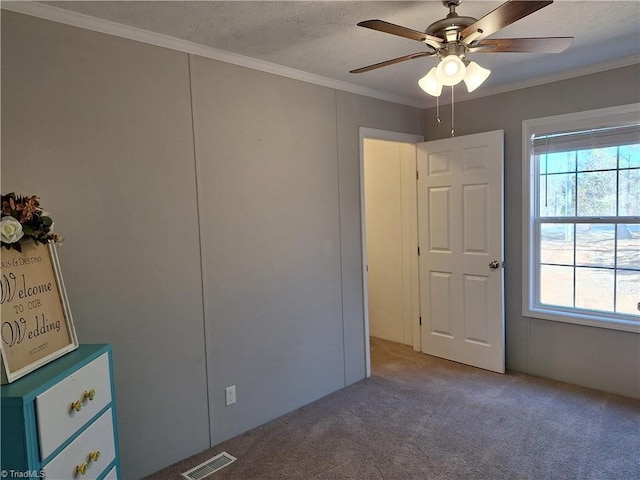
(98, 437)
(57, 418)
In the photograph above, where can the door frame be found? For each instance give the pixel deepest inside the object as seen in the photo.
(375, 134)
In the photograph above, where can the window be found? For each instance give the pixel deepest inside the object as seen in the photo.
(581, 229)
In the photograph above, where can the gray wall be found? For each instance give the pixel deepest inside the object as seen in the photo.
(594, 357)
(212, 246)
(100, 129)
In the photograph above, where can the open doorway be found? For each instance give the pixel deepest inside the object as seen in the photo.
(389, 237)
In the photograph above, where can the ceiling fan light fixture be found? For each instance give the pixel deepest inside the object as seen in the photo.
(429, 83)
(475, 75)
(450, 71)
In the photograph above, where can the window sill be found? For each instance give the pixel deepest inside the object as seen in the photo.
(586, 319)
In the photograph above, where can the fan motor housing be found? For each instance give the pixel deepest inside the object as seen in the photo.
(453, 23)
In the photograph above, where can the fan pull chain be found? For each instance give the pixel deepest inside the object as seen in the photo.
(453, 134)
(438, 110)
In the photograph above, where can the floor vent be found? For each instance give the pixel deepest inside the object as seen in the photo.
(210, 466)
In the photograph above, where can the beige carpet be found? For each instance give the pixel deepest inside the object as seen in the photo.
(419, 417)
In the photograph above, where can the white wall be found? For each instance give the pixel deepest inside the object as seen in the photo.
(390, 204)
(595, 357)
(210, 247)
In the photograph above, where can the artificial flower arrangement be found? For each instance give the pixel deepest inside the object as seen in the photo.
(24, 220)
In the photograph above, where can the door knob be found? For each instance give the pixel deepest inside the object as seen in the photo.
(494, 265)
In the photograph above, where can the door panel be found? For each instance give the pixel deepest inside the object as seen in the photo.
(440, 302)
(476, 299)
(460, 221)
(439, 215)
(474, 223)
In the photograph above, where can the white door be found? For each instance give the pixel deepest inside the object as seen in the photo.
(460, 222)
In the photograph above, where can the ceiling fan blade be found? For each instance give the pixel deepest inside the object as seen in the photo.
(386, 27)
(391, 62)
(533, 45)
(506, 14)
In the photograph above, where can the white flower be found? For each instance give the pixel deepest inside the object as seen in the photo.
(10, 230)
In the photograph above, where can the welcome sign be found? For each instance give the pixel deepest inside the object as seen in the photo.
(36, 325)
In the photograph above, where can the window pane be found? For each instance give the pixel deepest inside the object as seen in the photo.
(594, 289)
(561, 162)
(542, 163)
(598, 159)
(629, 246)
(558, 198)
(556, 243)
(597, 194)
(595, 245)
(629, 156)
(556, 285)
(629, 193)
(628, 292)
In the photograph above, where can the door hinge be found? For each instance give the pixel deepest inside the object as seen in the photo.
(420, 320)
(417, 175)
(418, 250)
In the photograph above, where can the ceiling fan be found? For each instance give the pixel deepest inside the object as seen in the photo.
(453, 37)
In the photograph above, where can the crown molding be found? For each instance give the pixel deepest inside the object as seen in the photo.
(87, 22)
(80, 20)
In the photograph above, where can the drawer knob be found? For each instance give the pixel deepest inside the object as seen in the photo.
(77, 406)
(90, 394)
(94, 455)
(82, 469)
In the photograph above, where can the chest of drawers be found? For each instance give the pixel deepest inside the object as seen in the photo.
(59, 422)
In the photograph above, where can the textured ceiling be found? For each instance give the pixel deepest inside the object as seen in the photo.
(322, 37)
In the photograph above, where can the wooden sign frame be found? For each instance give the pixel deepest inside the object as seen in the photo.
(36, 325)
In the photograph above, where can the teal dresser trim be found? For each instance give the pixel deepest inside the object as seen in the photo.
(19, 447)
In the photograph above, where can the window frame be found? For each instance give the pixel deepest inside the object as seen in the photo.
(606, 117)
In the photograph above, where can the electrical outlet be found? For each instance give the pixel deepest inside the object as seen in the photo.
(230, 395)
